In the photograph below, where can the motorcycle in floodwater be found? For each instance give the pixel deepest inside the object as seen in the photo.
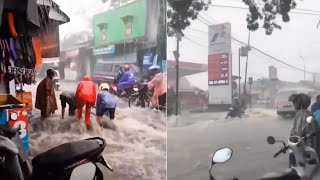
(141, 97)
(69, 161)
(234, 113)
(304, 159)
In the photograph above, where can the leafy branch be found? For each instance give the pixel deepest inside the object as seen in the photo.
(267, 12)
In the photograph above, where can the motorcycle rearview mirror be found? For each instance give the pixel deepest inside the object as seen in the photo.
(221, 156)
(309, 119)
(271, 140)
(84, 172)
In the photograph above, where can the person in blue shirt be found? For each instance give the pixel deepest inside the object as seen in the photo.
(316, 106)
(127, 79)
(106, 104)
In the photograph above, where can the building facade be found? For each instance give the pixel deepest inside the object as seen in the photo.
(126, 34)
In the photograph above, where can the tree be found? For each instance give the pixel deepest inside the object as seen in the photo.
(267, 11)
(181, 12)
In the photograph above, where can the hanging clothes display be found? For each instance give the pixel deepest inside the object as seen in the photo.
(18, 56)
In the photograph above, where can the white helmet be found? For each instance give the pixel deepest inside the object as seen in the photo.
(104, 86)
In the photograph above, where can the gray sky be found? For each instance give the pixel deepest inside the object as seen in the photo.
(80, 13)
(299, 37)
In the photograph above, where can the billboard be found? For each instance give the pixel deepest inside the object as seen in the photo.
(273, 73)
(218, 69)
(220, 64)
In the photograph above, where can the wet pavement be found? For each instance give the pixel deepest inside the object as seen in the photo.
(192, 141)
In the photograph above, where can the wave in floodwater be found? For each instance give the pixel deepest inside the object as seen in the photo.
(136, 150)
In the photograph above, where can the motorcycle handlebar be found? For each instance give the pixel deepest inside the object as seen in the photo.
(282, 150)
(277, 154)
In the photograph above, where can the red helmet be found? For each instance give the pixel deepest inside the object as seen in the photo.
(86, 78)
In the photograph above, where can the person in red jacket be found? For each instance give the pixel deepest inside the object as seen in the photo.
(86, 96)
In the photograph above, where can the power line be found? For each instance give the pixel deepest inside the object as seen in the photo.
(298, 9)
(195, 42)
(245, 8)
(262, 52)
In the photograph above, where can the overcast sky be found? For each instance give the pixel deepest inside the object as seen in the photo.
(299, 37)
(80, 13)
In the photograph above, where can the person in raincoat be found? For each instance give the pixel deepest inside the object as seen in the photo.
(159, 84)
(301, 102)
(86, 95)
(105, 105)
(45, 97)
(127, 79)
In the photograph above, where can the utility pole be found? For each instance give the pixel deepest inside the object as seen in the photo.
(246, 72)
(177, 56)
(239, 74)
(304, 68)
(162, 30)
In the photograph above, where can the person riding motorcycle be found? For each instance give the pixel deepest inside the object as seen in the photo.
(126, 80)
(236, 108)
(301, 102)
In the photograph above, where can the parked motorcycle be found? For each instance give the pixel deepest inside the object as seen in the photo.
(304, 159)
(68, 161)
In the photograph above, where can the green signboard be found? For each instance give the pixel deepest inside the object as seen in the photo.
(120, 24)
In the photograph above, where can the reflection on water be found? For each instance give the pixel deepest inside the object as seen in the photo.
(137, 150)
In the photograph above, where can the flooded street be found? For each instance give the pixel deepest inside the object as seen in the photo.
(137, 150)
(197, 136)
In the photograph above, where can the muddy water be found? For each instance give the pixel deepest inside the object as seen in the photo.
(136, 150)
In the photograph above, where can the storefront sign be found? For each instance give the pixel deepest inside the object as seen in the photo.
(218, 69)
(147, 60)
(17, 118)
(20, 71)
(106, 50)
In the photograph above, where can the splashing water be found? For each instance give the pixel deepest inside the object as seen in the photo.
(136, 150)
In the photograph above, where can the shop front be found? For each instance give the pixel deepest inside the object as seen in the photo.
(126, 34)
(22, 48)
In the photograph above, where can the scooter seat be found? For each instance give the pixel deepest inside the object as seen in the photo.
(69, 153)
(8, 146)
(288, 174)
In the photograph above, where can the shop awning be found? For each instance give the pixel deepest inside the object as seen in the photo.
(54, 13)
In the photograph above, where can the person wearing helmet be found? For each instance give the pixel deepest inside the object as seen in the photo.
(45, 97)
(159, 84)
(68, 97)
(106, 104)
(301, 102)
(126, 80)
(86, 95)
(236, 108)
